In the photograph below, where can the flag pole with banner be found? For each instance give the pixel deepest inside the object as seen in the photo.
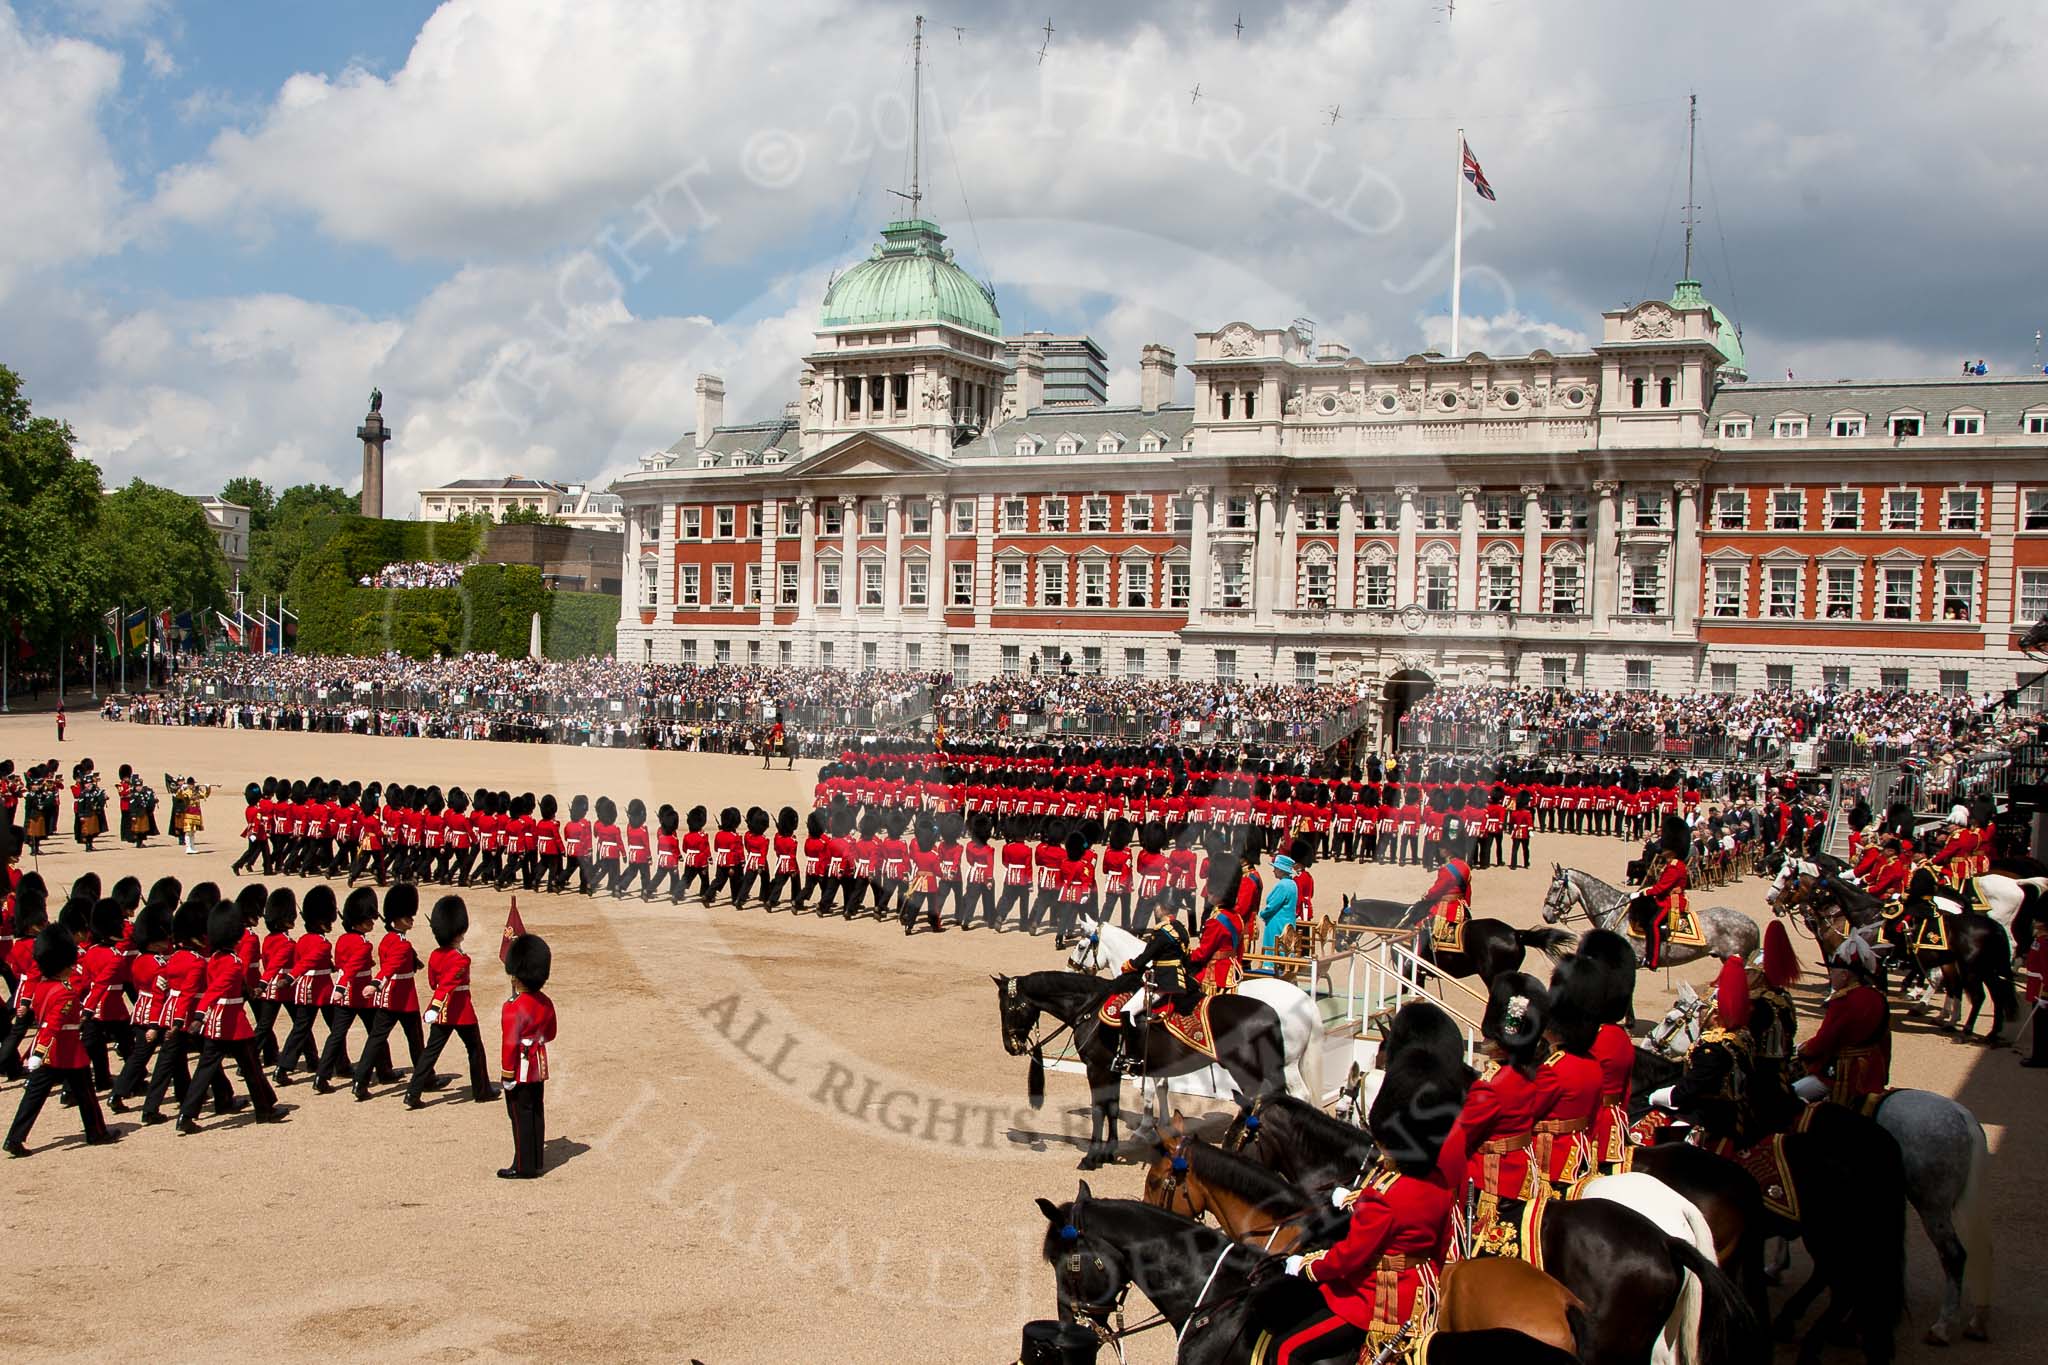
(1468, 169)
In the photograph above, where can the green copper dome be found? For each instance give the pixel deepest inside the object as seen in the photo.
(1686, 294)
(911, 277)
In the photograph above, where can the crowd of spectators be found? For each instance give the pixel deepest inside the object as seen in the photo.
(415, 573)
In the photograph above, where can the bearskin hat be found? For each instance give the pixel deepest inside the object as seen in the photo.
(1578, 991)
(1075, 845)
(636, 812)
(926, 832)
(280, 910)
(107, 922)
(840, 817)
(527, 961)
(729, 820)
(223, 928)
(667, 818)
(696, 818)
(1418, 1104)
(317, 911)
(360, 908)
(981, 828)
(548, 807)
(56, 951)
(1731, 994)
(1303, 851)
(434, 803)
(251, 794)
(1616, 959)
(449, 920)
(206, 894)
(1517, 1011)
(607, 811)
(249, 901)
(814, 824)
(1675, 836)
(757, 820)
(579, 806)
(401, 901)
(1152, 837)
(152, 925)
(1781, 963)
(785, 821)
(127, 894)
(458, 800)
(1119, 833)
(163, 891)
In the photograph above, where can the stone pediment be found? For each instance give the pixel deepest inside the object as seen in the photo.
(868, 453)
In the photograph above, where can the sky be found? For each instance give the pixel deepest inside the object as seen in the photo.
(533, 223)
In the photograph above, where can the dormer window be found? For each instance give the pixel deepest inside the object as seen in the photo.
(1789, 428)
(1735, 428)
(1066, 445)
(1846, 427)
(2037, 424)
(1905, 425)
(1026, 447)
(1148, 443)
(706, 460)
(1965, 424)
(1108, 443)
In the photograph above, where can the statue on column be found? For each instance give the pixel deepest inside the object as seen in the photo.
(376, 399)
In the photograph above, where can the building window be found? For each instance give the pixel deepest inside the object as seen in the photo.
(1439, 513)
(913, 655)
(753, 654)
(1731, 509)
(963, 517)
(1846, 426)
(1564, 511)
(1722, 677)
(1173, 663)
(1013, 585)
(1901, 588)
(1226, 665)
(1183, 516)
(1094, 583)
(1372, 512)
(787, 584)
(693, 523)
(1026, 447)
(1091, 660)
(2035, 517)
(1138, 512)
(721, 585)
(920, 517)
(1052, 516)
(1436, 587)
(722, 519)
(1499, 512)
(1649, 511)
(1964, 424)
(1637, 672)
(825, 654)
(899, 393)
(1645, 587)
(2033, 594)
(1845, 509)
(963, 584)
(1137, 583)
(754, 522)
(834, 518)
(1666, 386)
(792, 519)
(1958, 594)
(1500, 587)
(1379, 586)
(1052, 584)
(1237, 513)
(650, 579)
(1567, 589)
(1305, 667)
(1735, 428)
(1095, 515)
(1778, 677)
(871, 583)
(874, 517)
(753, 585)
(828, 583)
(1556, 673)
(1841, 586)
(1016, 518)
(1636, 388)
(692, 590)
(1903, 427)
(1049, 659)
(1134, 663)
(1894, 679)
(1960, 511)
(917, 583)
(1783, 601)
(1788, 509)
(1316, 585)
(1727, 600)
(689, 653)
(870, 656)
(1066, 445)
(1789, 428)
(1834, 675)
(1179, 586)
(1232, 582)
(1013, 660)
(963, 661)
(785, 652)
(1902, 509)
(1955, 682)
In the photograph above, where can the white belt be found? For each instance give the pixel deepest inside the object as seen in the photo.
(401, 976)
(223, 1004)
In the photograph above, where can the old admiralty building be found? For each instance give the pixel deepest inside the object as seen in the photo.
(1640, 514)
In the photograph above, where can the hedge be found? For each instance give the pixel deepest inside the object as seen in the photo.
(491, 612)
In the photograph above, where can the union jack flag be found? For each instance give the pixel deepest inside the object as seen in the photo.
(1476, 176)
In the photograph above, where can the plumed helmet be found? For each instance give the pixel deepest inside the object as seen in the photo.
(757, 820)
(1418, 1104)
(317, 911)
(667, 818)
(527, 961)
(1854, 955)
(1577, 994)
(1731, 994)
(548, 806)
(695, 818)
(1517, 1011)
(249, 901)
(401, 901)
(56, 951)
(449, 920)
(579, 806)
(223, 928)
(785, 821)
(636, 812)
(360, 908)
(280, 909)
(1780, 964)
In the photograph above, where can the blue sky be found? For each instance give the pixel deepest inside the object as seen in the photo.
(236, 218)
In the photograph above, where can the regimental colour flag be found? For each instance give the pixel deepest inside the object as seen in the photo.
(1475, 175)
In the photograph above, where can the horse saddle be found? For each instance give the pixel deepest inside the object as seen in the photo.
(1448, 936)
(1192, 1030)
(1682, 927)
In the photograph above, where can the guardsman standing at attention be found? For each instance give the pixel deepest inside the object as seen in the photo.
(1849, 1057)
(527, 1023)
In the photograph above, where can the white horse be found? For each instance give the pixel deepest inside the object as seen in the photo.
(1103, 948)
(1947, 1165)
(1729, 933)
(1675, 1216)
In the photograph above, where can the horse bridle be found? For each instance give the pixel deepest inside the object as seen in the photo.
(1026, 1043)
(1098, 1315)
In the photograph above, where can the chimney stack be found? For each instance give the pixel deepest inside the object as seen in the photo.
(1155, 377)
(710, 407)
(1030, 378)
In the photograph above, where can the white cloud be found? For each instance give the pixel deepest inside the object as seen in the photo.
(158, 59)
(114, 18)
(63, 188)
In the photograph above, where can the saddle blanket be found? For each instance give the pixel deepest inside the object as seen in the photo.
(1932, 934)
(1766, 1164)
(1190, 1030)
(1684, 927)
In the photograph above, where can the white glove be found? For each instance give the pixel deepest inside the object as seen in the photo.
(1294, 1264)
(507, 1086)
(1662, 1098)
(431, 1018)
(34, 1063)
(1812, 1089)
(1339, 1197)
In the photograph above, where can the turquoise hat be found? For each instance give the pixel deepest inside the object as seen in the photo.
(1284, 864)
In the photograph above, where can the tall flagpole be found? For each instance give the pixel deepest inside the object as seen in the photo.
(1458, 244)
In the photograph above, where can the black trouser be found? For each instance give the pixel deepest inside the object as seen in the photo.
(437, 1038)
(549, 871)
(249, 857)
(273, 854)
(915, 903)
(1015, 895)
(622, 881)
(664, 875)
(490, 866)
(367, 860)
(743, 886)
(96, 1034)
(771, 892)
(1064, 914)
(266, 1030)
(827, 889)
(10, 1050)
(376, 1053)
(853, 889)
(1518, 852)
(173, 1052)
(299, 1042)
(972, 895)
(1119, 897)
(213, 1056)
(940, 890)
(135, 1067)
(586, 874)
(605, 871)
(722, 877)
(77, 1084)
(334, 1054)
(526, 1104)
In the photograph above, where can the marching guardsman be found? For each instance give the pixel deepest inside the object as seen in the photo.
(1521, 820)
(527, 1025)
(1503, 1107)
(753, 858)
(354, 994)
(576, 846)
(817, 864)
(921, 892)
(224, 1024)
(273, 986)
(727, 852)
(1450, 897)
(978, 872)
(1116, 873)
(1157, 978)
(639, 852)
(1849, 1058)
(58, 1057)
(450, 1010)
(312, 985)
(1715, 1087)
(668, 855)
(151, 939)
(1663, 892)
(782, 861)
(547, 834)
(394, 991)
(103, 981)
(1076, 889)
(252, 830)
(608, 843)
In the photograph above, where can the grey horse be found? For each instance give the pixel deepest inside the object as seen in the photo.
(1573, 893)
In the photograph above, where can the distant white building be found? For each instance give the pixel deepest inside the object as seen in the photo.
(574, 504)
(229, 522)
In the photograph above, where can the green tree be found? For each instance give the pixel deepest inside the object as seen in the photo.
(298, 519)
(255, 495)
(159, 551)
(49, 504)
(528, 516)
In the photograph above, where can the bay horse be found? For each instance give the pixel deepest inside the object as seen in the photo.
(1573, 893)
(1492, 946)
(1247, 1042)
(1628, 1272)
(1248, 1201)
(1201, 1283)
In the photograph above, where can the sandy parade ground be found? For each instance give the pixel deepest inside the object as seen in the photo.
(771, 1137)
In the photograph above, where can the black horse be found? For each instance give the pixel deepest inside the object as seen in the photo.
(1849, 1182)
(1977, 960)
(1492, 946)
(1247, 1041)
(1625, 1269)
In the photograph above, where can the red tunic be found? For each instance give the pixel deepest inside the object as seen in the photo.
(181, 980)
(57, 1009)
(106, 972)
(607, 840)
(274, 976)
(1498, 1122)
(754, 852)
(977, 864)
(397, 966)
(149, 997)
(1565, 1129)
(1116, 870)
(1216, 957)
(725, 847)
(527, 1022)
(576, 838)
(1395, 1215)
(1615, 1051)
(637, 848)
(448, 979)
(312, 970)
(1855, 1038)
(352, 985)
(220, 1005)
